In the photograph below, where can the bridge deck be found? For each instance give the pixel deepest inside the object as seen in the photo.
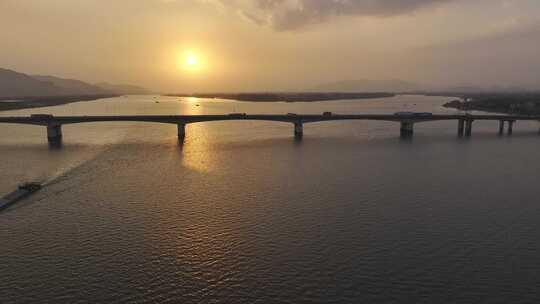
(407, 121)
(304, 118)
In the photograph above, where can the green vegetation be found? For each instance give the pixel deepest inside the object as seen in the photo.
(38, 102)
(510, 103)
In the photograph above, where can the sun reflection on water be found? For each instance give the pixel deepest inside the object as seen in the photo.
(192, 99)
(198, 152)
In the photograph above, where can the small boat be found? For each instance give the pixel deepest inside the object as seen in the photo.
(23, 191)
(31, 187)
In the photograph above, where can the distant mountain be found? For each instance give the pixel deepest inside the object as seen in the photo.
(72, 86)
(13, 84)
(367, 85)
(17, 85)
(123, 89)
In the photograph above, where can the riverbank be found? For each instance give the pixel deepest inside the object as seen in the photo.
(287, 97)
(14, 103)
(507, 103)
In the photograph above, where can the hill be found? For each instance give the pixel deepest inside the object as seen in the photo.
(14, 84)
(123, 89)
(72, 86)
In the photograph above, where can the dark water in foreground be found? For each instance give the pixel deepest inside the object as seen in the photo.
(244, 214)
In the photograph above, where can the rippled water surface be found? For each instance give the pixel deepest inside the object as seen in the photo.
(243, 213)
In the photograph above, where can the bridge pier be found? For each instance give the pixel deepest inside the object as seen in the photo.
(501, 127)
(510, 127)
(461, 127)
(54, 134)
(407, 129)
(298, 130)
(468, 127)
(181, 132)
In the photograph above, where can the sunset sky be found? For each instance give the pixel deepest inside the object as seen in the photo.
(247, 45)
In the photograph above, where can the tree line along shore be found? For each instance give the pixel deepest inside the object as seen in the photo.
(508, 103)
(16, 103)
(287, 97)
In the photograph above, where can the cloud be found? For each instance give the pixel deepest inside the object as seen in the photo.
(292, 14)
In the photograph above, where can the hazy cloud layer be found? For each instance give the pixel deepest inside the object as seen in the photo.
(439, 42)
(293, 14)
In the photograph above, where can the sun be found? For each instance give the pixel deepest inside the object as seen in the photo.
(191, 61)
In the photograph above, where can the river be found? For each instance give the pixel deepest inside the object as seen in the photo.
(243, 213)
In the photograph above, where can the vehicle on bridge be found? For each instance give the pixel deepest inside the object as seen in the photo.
(414, 114)
(404, 114)
(42, 116)
(237, 115)
(327, 114)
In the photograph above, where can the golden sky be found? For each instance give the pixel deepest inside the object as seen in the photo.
(263, 45)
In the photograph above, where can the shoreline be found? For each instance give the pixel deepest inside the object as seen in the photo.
(521, 103)
(19, 103)
(487, 110)
(287, 97)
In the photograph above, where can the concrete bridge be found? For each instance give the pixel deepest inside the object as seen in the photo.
(407, 120)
